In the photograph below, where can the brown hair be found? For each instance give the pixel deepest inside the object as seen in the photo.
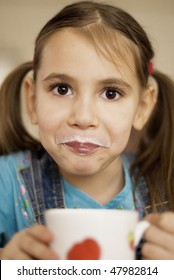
(155, 156)
(156, 152)
(13, 135)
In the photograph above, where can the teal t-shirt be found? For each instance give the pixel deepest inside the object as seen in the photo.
(75, 198)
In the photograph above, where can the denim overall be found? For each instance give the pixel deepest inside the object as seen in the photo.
(42, 180)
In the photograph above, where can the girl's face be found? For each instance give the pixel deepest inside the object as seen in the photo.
(84, 105)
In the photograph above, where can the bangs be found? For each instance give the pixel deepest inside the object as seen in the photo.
(108, 42)
(113, 45)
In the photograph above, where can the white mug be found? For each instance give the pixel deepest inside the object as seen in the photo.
(95, 233)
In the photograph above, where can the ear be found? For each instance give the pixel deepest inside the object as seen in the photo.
(146, 106)
(30, 96)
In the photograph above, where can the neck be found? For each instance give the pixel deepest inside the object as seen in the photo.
(102, 186)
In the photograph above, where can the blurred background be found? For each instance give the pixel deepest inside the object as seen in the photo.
(21, 20)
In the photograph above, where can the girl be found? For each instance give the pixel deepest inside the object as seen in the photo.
(93, 84)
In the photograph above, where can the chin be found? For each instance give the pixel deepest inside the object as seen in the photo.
(81, 169)
(79, 166)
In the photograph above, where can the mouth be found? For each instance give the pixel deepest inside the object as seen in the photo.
(82, 148)
(82, 145)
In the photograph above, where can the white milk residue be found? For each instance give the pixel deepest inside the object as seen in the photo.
(82, 139)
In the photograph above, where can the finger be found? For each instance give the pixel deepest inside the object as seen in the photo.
(36, 240)
(36, 249)
(164, 221)
(41, 233)
(17, 256)
(153, 252)
(160, 238)
(11, 252)
(144, 258)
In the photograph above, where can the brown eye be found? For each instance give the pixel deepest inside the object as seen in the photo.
(111, 94)
(61, 89)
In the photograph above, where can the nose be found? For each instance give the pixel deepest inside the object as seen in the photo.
(83, 114)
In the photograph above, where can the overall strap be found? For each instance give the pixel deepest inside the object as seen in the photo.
(142, 197)
(140, 191)
(143, 193)
(42, 180)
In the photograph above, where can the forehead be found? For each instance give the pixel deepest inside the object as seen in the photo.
(112, 47)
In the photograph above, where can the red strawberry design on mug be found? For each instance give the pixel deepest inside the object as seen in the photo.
(88, 249)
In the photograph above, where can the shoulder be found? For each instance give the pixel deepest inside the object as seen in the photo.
(14, 203)
(10, 165)
(19, 160)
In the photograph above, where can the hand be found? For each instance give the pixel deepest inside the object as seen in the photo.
(159, 237)
(30, 244)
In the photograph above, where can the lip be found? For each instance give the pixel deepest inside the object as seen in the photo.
(80, 140)
(84, 148)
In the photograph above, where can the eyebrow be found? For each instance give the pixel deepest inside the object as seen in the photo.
(107, 81)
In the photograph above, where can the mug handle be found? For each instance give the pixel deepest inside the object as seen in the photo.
(139, 231)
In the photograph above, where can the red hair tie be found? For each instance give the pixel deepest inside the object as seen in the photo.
(150, 68)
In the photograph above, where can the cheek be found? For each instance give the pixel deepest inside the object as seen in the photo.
(48, 121)
(121, 134)
(120, 129)
(50, 115)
